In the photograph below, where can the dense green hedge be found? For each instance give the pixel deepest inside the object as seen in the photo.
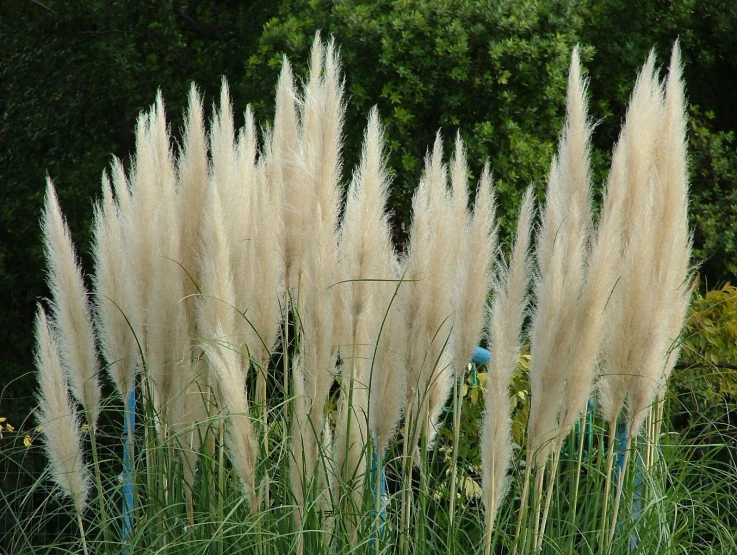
(74, 75)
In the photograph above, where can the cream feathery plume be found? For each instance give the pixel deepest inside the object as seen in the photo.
(671, 251)
(112, 302)
(474, 269)
(166, 312)
(121, 188)
(315, 374)
(224, 164)
(671, 158)
(215, 307)
(427, 300)
(240, 439)
(330, 166)
(192, 177)
(388, 382)
(601, 274)
(264, 248)
(611, 387)
(139, 225)
(505, 321)
(233, 174)
(329, 192)
(58, 419)
(561, 253)
(385, 328)
(192, 194)
(551, 322)
(313, 105)
(70, 308)
(282, 173)
(634, 314)
(313, 271)
(365, 255)
(266, 267)
(134, 309)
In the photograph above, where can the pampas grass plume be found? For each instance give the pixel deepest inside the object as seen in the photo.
(506, 318)
(243, 449)
(70, 308)
(635, 331)
(58, 419)
(428, 300)
(476, 247)
(112, 295)
(561, 253)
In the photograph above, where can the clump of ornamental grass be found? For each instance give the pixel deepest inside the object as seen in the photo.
(210, 260)
(654, 292)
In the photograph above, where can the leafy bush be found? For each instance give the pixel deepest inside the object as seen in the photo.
(704, 386)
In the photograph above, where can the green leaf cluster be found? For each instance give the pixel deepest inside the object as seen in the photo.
(495, 73)
(704, 386)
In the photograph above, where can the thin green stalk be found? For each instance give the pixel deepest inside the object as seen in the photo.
(100, 491)
(421, 524)
(490, 510)
(523, 505)
(577, 480)
(618, 495)
(549, 494)
(608, 482)
(457, 408)
(221, 482)
(346, 481)
(406, 489)
(377, 497)
(82, 534)
(285, 356)
(537, 503)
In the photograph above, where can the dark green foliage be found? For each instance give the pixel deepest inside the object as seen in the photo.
(622, 32)
(497, 75)
(74, 76)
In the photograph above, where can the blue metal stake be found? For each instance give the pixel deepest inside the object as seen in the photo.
(376, 466)
(128, 434)
(481, 356)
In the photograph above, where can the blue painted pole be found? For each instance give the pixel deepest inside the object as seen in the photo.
(637, 494)
(376, 466)
(481, 356)
(128, 435)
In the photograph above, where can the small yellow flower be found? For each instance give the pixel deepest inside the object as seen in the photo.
(85, 428)
(9, 427)
(27, 441)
